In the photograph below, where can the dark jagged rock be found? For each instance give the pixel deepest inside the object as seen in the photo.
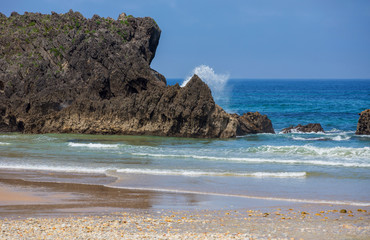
(67, 74)
(363, 125)
(254, 123)
(311, 127)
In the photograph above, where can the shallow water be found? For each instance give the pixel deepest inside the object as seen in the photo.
(331, 167)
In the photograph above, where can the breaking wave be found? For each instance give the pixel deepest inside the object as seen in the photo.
(308, 150)
(93, 145)
(71, 169)
(261, 160)
(336, 138)
(280, 174)
(206, 173)
(169, 172)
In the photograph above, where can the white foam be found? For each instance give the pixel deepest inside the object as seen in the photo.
(163, 172)
(300, 132)
(326, 133)
(4, 143)
(279, 174)
(341, 138)
(194, 173)
(55, 168)
(261, 160)
(336, 138)
(363, 136)
(308, 150)
(309, 139)
(313, 201)
(9, 136)
(338, 131)
(334, 130)
(93, 145)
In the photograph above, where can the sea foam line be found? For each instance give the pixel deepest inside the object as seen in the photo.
(363, 204)
(4, 143)
(93, 145)
(279, 174)
(205, 173)
(308, 150)
(336, 138)
(333, 131)
(289, 150)
(257, 160)
(56, 169)
(189, 173)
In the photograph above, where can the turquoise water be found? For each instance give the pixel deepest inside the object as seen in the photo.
(331, 167)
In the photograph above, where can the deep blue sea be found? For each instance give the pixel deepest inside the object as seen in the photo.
(331, 167)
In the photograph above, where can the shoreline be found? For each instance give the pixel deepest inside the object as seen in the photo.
(62, 199)
(67, 186)
(32, 190)
(62, 210)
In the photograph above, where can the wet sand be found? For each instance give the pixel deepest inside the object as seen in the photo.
(9, 197)
(64, 210)
(22, 199)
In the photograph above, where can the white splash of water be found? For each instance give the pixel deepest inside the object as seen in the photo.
(216, 82)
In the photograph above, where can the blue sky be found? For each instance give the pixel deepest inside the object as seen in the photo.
(243, 38)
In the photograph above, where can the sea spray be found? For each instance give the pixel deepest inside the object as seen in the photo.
(216, 82)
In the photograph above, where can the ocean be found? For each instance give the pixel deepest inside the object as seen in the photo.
(331, 167)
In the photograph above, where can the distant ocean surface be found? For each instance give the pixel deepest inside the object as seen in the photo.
(331, 167)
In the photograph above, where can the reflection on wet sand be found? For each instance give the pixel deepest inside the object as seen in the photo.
(50, 198)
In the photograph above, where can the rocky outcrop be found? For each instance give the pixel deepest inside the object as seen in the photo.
(254, 123)
(363, 125)
(67, 74)
(311, 127)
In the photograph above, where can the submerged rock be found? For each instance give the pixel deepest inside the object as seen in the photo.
(63, 73)
(311, 127)
(363, 125)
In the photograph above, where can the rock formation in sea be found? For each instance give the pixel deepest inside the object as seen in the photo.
(63, 73)
(311, 127)
(363, 125)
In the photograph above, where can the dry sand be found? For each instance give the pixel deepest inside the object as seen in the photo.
(167, 224)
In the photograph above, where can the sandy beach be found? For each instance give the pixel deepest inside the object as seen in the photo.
(69, 211)
(222, 224)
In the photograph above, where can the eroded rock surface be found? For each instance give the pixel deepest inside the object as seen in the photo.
(363, 125)
(311, 127)
(67, 74)
(254, 123)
